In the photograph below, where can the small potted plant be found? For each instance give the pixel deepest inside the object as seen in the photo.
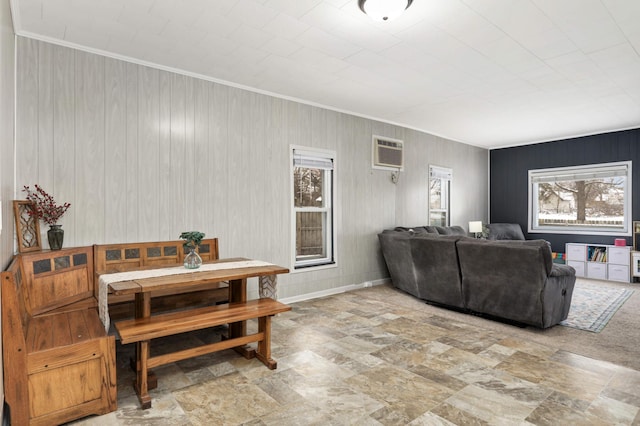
(45, 208)
(192, 240)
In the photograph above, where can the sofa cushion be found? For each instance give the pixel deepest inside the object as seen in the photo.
(396, 249)
(515, 280)
(428, 229)
(543, 245)
(505, 231)
(424, 265)
(436, 268)
(447, 230)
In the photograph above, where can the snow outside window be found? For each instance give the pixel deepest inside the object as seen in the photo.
(593, 199)
(439, 188)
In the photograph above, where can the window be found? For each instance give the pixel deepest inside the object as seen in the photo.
(439, 187)
(593, 199)
(312, 174)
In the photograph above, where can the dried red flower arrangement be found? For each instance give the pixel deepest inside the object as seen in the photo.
(44, 206)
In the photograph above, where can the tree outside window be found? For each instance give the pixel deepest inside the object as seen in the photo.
(312, 205)
(439, 186)
(588, 199)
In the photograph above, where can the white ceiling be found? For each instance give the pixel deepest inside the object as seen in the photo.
(489, 73)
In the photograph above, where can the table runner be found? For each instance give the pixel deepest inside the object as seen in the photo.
(267, 283)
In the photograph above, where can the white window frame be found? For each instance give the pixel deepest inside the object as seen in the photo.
(445, 175)
(323, 157)
(569, 173)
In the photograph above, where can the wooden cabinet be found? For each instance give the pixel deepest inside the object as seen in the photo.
(599, 261)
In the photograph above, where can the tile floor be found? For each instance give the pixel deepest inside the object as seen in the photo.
(377, 357)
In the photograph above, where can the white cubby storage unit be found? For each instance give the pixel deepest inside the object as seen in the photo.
(599, 261)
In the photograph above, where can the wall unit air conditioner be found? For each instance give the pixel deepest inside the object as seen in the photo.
(387, 153)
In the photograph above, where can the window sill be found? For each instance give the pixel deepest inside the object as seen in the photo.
(313, 268)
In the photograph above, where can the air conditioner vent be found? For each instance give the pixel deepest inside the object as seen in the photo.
(387, 153)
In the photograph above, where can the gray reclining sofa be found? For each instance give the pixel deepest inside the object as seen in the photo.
(511, 280)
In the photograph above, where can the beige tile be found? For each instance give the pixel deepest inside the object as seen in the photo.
(612, 411)
(490, 406)
(474, 342)
(408, 353)
(451, 415)
(531, 348)
(218, 401)
(602, 368)
(296, 414)
(624, 386)
(398, 389)
(408, 330)
(560, 411)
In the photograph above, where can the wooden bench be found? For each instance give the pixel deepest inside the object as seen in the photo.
(59, 363)
(142, 330)
(111, 258)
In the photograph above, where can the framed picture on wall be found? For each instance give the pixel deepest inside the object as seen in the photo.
(27, 227)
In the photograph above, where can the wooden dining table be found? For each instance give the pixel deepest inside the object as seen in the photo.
(235, 271)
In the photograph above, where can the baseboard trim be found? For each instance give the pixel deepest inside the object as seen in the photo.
(332, 291)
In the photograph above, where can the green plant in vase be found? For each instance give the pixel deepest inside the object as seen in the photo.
(192, 240)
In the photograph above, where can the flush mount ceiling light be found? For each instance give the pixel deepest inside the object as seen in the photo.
(384, 10)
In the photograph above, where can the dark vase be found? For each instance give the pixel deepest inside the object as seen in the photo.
(55, 234)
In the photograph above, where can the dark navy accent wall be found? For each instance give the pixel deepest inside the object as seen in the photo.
(509, 167)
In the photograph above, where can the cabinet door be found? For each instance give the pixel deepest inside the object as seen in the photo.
(618, 255)
(597, 270)
(618, 273)
(578, 266)
(635, 265)
(576, 252)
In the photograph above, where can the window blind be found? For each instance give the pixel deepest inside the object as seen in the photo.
(313, 160)
(549, 176)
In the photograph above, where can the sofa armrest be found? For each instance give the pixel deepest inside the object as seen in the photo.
(561, 270)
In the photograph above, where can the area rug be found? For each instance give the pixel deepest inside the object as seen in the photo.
(592, 307)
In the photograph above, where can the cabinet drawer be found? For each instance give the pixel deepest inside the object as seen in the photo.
(578, 266)
(597, 270)
(618, 273)
(618, 255)
(635, 265)
(576, 252)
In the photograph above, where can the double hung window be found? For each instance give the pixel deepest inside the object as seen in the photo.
(439, 188)
(313, 224)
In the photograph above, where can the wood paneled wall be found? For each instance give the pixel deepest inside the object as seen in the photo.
(7, 87)
(510, 179)
(7, 91)
(144, 154)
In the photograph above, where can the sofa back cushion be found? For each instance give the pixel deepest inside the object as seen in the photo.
(437, 230)
(504, 278)
(396, 250)
(437, 272)
(505, 231)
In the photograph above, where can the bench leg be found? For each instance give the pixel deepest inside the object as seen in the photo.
(264, 346)
(143, 310)
(140, 384)
(238, 294)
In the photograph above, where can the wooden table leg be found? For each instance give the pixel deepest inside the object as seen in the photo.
(238, 294)
(264, 346)
(142, 310)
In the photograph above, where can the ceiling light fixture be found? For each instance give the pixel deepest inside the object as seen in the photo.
(384, 10)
